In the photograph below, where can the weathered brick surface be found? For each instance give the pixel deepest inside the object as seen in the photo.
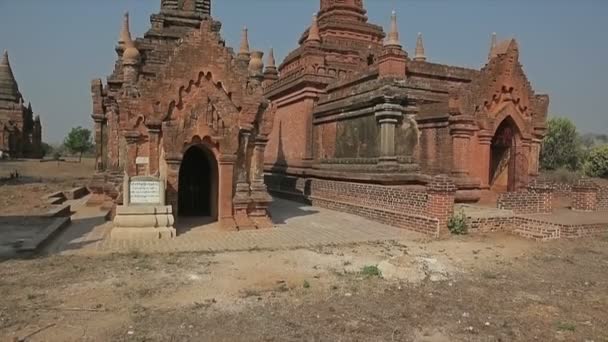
(425, 211)
(490, 224)
(602, 198)
(585, 195)
(536, 199)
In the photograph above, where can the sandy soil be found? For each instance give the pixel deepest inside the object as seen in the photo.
(484, 288)
(36, 179)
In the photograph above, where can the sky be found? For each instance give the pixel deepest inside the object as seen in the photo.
(57, 47)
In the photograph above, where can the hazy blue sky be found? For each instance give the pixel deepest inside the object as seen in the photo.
(58, 46)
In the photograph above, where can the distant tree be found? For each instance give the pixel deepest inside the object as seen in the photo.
(588, 140)
(78, 141)
(596, 163)
(562, 147)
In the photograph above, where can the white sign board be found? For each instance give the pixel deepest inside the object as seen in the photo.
(144, 192)
(142, 160)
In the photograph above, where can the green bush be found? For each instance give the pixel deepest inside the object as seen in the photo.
(596, 164)
(458, 224)
(562, 147)
(371, 271)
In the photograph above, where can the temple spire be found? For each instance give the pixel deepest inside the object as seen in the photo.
(9, 90)
(125, 32)
(419, 54)
(313, 33)
(244, 50)
(271, 74)
(493, 44)
(131, 55)
(393, 35)
(270, 61)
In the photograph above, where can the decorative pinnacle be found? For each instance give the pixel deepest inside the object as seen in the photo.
(125, 32)
(393, 35)
(270, 61)
(493, 44)
(131, 54)
(244, 50)
(313, 33)
(419, 55)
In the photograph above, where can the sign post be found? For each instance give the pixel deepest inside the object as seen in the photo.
(144, 213)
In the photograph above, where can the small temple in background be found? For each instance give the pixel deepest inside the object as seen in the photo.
(20, 130)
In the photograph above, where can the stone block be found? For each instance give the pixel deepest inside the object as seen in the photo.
(76, 193)
(143, 222)
(126, 233)
(62, 210)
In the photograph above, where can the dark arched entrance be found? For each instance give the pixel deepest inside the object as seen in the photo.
(198, 183)
(503, 154)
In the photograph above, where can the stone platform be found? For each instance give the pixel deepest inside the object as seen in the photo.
(296, 225)
(562, 223)
(28, 234)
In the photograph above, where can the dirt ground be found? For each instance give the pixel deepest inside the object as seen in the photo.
(483, 288)
(36, 179)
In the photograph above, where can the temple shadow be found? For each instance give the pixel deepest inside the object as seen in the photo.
(291, 194)
(282, 210)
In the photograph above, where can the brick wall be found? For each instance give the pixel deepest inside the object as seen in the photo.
(426, 211)
(537, 198)
(584, 195)
(602, 198)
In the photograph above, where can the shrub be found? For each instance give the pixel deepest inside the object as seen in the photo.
(371, 271)
(458, 224)
(562, 147)
(596, 164)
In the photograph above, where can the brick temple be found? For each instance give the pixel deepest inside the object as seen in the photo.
(363, 126)
(349, 120)
(182, 106)
(20, 130)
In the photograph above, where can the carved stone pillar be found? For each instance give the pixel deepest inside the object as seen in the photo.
(522, 164)
(485, 151)
(242, 196)
(388, 116)
(242, 185)
(259, 193)
(100, 153)
(257, 164)
(535, 146)
(226, 211)
(154, 130)
(462, 128)
(132, 138)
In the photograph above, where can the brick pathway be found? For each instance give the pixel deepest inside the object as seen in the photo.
(297, 225)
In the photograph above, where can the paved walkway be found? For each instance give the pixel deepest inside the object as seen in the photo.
(297, 225)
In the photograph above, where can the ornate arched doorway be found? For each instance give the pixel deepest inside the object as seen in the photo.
(503, 157)
(198, 183)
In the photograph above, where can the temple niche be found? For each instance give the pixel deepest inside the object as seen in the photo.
(181, 106)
